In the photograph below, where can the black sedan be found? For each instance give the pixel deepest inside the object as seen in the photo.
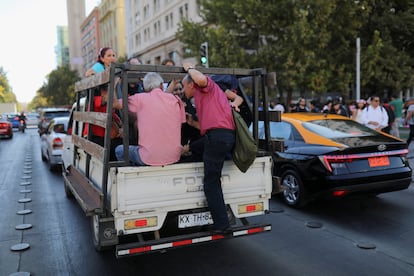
(332, 156)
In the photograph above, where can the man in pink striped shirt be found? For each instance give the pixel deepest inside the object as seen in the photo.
(159, 119)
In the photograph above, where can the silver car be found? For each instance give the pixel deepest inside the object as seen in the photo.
(51, 141)
(32, 119)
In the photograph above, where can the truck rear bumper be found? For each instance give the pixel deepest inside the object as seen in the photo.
(138, 248)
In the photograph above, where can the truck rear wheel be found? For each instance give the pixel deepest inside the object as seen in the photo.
(103, 233)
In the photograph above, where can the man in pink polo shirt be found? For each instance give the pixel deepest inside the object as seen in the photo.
(159, 119)
(216, 124)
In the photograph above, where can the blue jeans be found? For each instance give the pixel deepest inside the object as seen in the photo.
(218, 144)
(134, 157)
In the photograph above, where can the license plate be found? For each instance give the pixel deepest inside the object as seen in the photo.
(379, 161)
(196, 219)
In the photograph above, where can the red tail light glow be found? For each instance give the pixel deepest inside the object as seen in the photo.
(339, 193)
(327, 160)
(57, 143)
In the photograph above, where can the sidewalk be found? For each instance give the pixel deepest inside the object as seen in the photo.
(404, 131)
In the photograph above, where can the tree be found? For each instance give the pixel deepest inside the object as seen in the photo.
(59, 89)
(310, 43)
(387, 66)
(6, 94)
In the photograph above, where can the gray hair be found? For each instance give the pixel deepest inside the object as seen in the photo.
(152, 80)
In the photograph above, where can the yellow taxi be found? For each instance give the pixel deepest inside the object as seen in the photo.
(332, 156)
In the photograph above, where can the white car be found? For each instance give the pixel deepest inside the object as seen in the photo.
(51, 141)
(32, 119)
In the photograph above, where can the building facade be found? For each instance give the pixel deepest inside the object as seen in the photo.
(76, 15)
(112, 25)
(151, 26)
(62, 46)
(90, 42)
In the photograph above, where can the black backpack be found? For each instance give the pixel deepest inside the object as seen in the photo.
(391, 114)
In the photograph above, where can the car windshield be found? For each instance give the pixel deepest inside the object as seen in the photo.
(333, 129)
(12, 116)
(54, 114)
(60, 128)
(32, 115)
(278, 130)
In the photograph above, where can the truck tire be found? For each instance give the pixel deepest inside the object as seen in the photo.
(103, 234)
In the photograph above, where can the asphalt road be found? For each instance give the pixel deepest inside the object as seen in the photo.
(360, 236)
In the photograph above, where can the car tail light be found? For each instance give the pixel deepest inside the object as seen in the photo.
(336, 161)
(57, 143)
(339, 193)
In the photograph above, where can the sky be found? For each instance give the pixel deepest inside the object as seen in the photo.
(28, 40)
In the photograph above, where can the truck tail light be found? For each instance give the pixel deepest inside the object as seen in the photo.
(140, 223)
(250, 208)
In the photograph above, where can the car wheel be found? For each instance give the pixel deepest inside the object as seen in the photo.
(294, 193)
(52, 167)
(44, 159)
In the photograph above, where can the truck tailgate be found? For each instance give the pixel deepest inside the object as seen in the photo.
(139, 191)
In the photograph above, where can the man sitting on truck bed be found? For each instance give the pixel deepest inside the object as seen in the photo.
(159, 119)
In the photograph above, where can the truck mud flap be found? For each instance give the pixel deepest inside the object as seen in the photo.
(163, 244)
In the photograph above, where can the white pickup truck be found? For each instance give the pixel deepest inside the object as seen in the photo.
(154, 208)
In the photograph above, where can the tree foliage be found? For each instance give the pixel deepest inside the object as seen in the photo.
(59, 89)
(6, 93)
(311, 43)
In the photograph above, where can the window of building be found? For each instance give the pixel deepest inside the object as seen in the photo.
(146, 11)
(167, 22)
(198, 7)
(172, 55)
(137, 19)
(147, 34)
(181, 12)
(156, 6)
(137, 40)
(157, 28)
(157, 60)
(186, 10)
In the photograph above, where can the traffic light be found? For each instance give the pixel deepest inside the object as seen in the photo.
(204, 54)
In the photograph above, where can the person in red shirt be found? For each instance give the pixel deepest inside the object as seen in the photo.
(98, 132)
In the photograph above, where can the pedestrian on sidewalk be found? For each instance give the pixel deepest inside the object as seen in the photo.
(409, 120)
(397, 105)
